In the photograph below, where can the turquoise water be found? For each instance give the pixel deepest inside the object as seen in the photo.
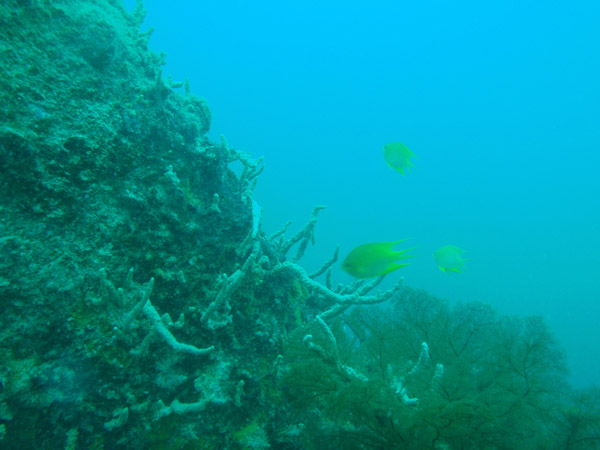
(499, 101)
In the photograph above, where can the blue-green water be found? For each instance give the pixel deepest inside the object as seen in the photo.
(500, 102)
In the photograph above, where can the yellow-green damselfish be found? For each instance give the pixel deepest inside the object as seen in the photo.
(449, 258)
(372, 260)
(397, 156)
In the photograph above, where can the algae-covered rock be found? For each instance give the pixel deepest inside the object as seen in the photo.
(105, 168)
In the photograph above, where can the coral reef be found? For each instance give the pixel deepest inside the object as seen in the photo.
(144, 308)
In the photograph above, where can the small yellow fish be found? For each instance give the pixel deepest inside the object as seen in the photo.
(449, 258)
(372, 260)
(397, 156)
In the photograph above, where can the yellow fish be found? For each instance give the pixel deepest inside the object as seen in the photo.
(397, 156)
(449, 258)
(372, 260)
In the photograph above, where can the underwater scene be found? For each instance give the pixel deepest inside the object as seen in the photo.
(299, 225)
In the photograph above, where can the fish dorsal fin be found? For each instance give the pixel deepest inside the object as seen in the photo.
(400, 254)
(394, 243)
(392, 267)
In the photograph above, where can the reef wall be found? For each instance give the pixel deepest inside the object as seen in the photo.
(143, 307)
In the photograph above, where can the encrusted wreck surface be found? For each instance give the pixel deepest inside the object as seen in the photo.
(143, 308)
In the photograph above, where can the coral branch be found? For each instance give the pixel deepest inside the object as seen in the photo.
(303, 236)
(327, 265)
(342, 302)
(164, 332)
(229, 285)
